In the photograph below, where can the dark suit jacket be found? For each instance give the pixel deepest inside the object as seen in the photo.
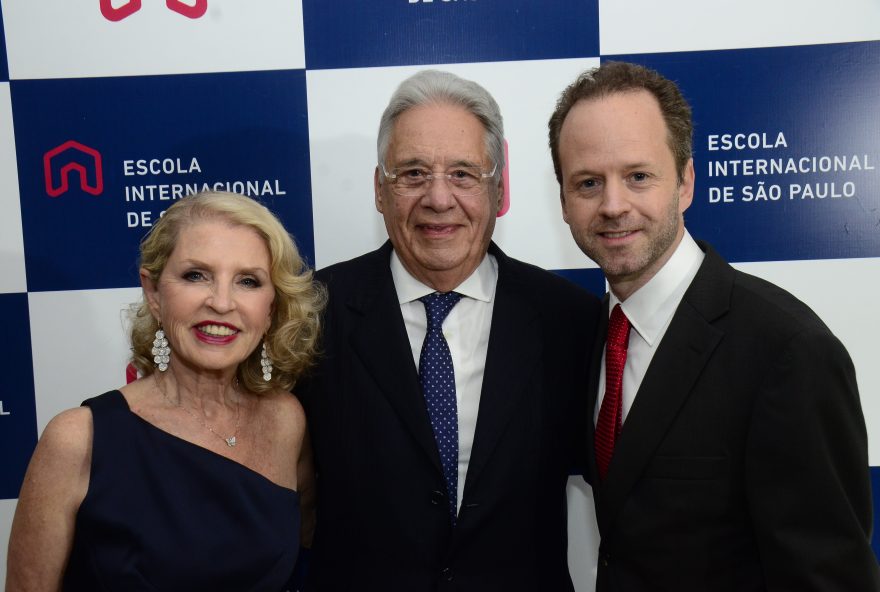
(742, 464)
(382, 520)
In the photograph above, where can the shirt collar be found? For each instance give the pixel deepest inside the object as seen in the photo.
(479, 285)
(650, 308)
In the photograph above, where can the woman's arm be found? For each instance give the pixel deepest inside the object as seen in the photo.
(54, 486)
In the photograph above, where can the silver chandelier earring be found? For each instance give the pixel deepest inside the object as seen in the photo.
(266, 363)
(161, 351)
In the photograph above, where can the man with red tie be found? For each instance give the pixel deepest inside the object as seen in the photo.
(728, 450)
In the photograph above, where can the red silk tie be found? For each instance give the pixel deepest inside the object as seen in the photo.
(611, 413)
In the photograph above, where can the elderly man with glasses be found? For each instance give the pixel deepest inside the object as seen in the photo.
(447, 409)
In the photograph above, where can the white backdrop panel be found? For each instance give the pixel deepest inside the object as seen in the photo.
(7, 509)
(583, 535)
(11, 242)
(58, 39)
(648, 26)
(80, 346)
(342, 138)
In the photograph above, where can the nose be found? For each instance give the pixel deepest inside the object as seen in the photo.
(221, 298)
(615, 200)
(439, 196)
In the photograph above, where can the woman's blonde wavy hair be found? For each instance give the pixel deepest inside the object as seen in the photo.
(293, 335)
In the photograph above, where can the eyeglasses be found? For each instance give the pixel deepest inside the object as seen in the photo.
(413, 181)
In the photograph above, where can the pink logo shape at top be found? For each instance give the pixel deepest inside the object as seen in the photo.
(193, 11)
(117, 14)
(505, 174)
(63, 153)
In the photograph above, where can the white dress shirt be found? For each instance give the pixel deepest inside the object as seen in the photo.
(466, 330)
(650, 310)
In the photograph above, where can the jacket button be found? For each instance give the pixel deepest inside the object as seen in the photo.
(438, 498)
(447, 574)
(605, 559)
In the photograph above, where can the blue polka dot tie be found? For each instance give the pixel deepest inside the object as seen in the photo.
(438, 385)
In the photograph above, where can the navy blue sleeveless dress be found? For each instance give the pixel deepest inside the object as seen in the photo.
(162, 514)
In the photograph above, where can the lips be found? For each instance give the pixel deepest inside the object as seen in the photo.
(438, 230)
(214, 332)
(617, 234)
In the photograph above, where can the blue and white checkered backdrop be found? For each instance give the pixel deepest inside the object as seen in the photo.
(112, 109)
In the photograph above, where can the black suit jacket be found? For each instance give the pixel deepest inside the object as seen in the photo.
(742, 464)
(382, 520)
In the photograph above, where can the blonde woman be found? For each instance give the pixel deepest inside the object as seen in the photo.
(189, 478)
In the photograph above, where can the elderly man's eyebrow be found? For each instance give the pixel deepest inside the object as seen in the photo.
(412, 162)
(418, 161)
(465, 163)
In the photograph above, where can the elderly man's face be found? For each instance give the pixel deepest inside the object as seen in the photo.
(440, 237)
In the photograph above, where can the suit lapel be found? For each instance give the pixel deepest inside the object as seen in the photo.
(380, 340)
(515, 342)
(686, 348)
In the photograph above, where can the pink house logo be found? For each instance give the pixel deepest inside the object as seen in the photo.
(505, 200)
(73, 157)
(192, 10)
(131, 373)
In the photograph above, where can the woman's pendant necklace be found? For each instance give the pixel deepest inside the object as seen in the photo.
(231, 440)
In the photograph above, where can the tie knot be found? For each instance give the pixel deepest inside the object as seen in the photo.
(438, 305)
(618, 328)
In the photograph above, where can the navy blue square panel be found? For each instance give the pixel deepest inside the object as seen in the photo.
(785, 148)
(875, 487)
(4, 64)
(409, 32)
(100, 159)
(18, 416)
(591, 279)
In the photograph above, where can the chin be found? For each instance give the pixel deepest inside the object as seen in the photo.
(441, 261)
(217, 365)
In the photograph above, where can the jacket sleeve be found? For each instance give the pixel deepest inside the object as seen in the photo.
(807, 471)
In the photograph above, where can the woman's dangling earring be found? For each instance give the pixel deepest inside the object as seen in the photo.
(161, 350)
(266, 363)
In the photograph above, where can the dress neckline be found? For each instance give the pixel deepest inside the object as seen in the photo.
(175, 438)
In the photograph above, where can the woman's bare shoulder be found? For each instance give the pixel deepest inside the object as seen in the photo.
(62, 458)
(69, 434)
(285, 404)
(285, 414)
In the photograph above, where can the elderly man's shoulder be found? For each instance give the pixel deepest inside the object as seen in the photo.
(547, 284)
(352, 271)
